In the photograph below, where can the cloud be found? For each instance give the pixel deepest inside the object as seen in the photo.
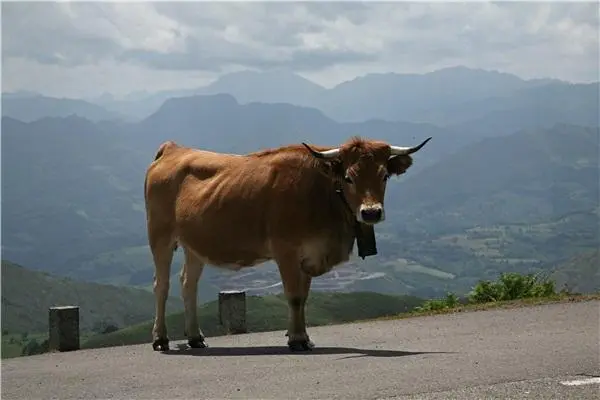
(325, 41)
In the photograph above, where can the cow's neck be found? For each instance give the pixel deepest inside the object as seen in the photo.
(364, 234)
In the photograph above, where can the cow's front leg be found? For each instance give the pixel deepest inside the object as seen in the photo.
(298, 339)
(296, 286)
(190, 275)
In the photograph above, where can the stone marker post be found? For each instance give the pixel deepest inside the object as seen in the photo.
(232, 311)
(63, 328)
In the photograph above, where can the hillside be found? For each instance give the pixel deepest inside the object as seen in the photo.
(580, 274)
(27, 295)
(524, 177)
(531, 108)
(270, 313)
(67, 185)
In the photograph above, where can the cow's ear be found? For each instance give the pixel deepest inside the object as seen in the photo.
(398, 165)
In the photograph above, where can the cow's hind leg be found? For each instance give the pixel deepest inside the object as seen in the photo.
(190, 275)
(296, 285)
(162, 252)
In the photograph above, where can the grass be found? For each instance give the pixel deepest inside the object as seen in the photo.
(27, 295)
(12, 344)
(510, 290)
(506, 304)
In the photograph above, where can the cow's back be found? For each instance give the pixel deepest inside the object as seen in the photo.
(173, 169)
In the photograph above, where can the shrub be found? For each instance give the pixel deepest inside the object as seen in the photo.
(512, 286)
(33, 347)
(450, 301)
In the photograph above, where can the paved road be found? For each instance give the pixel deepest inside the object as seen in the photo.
(521, 354)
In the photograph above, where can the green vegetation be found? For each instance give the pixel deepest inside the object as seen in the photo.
(509, 287)
(512, 286)
(27, 295)
(450, 301)
(15, 345)
(565, 246)
(531, 291)
(269, 313)
(27, 344)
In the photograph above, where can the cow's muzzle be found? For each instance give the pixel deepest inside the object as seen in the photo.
(371, 214)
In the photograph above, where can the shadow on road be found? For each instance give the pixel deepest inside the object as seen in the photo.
(283, 350)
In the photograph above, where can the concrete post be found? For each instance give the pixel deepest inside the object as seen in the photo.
(63, 328)
(232, 311)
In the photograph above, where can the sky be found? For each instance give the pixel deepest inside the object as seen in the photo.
(83, 49)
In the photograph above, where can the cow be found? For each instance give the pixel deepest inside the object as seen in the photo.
(296, 205)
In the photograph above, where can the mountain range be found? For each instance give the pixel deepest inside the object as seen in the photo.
(446, 96)
(509, 180)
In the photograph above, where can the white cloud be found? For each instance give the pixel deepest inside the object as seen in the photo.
(84, 48)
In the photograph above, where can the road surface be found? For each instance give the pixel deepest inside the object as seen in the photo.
(543, 352)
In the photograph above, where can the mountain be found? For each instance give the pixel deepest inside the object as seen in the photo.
(531, 108)
(27, 295)
(528, 176)
(66, 175)
(219, 122)
(19, 94)
(138, 106)
(393, 97)
(30, 108)
(267, 87)
(580, 274)
(246, 86)
(436, 97)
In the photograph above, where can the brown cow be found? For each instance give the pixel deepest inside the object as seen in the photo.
(296, 205)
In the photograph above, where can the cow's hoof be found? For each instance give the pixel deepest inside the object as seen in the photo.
(161, 344)
(197, 343)
(301, 345)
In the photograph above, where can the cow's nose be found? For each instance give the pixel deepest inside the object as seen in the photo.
(371, 214)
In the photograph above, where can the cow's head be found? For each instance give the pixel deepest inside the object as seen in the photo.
(362, 168)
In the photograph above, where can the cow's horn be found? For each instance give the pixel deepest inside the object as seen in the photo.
(322, 154)
(403, 151)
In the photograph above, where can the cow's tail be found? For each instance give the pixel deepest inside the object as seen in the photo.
(159, 154)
